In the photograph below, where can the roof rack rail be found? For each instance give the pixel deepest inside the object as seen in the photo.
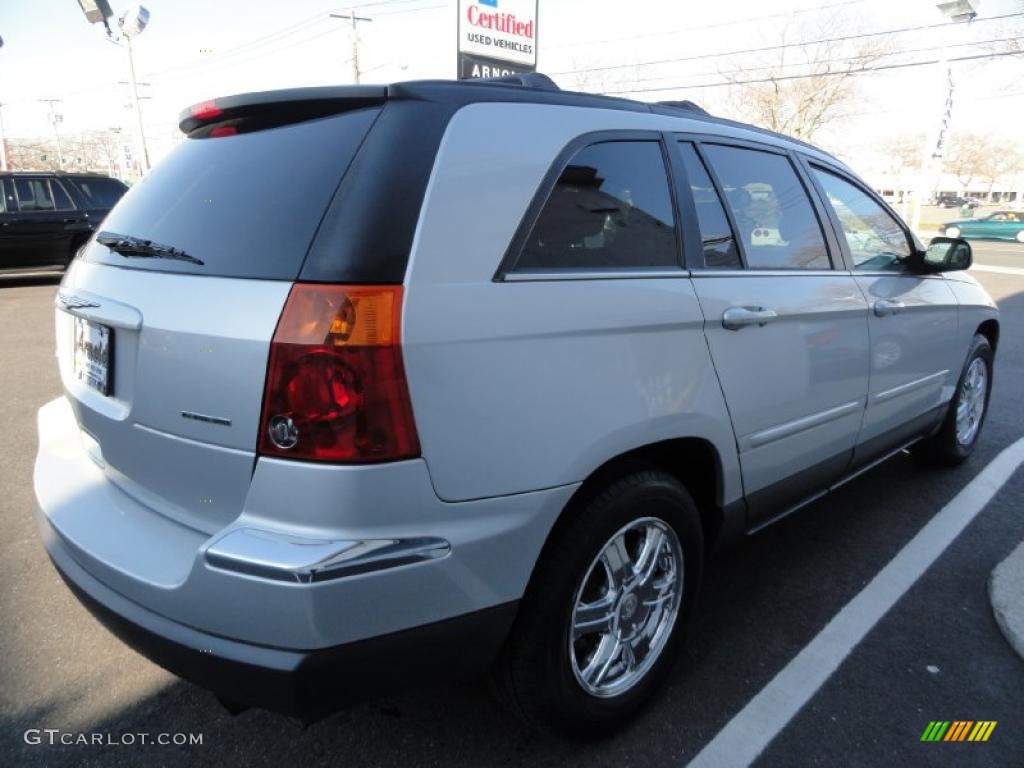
(524, 79)
(686, 104)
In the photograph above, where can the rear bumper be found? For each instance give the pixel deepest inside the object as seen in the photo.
(305, 684)
(330, 584)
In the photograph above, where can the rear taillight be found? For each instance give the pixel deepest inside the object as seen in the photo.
(336, 388)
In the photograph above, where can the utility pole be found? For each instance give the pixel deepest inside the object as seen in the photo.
(355, 38)
(958, 12)
(55, 119)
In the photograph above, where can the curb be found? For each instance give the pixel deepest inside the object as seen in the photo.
(1006, 592)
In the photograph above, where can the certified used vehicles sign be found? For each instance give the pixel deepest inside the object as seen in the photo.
(497, 37)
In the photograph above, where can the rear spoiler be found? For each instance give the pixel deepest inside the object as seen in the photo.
(291, 105)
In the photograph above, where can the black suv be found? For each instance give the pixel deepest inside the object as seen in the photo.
(45, 216)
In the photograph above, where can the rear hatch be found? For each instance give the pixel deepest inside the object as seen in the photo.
(164, 323)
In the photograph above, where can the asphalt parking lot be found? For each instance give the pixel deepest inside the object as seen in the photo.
(937, 655)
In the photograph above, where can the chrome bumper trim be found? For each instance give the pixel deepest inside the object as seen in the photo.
(304, 561)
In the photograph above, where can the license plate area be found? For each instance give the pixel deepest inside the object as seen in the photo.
(93, 355)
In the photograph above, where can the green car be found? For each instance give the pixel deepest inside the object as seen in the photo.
(1004, 225)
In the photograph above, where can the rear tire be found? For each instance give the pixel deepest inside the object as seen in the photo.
(958, 436)
(588, 650)
(1020, 236)
(952, 232)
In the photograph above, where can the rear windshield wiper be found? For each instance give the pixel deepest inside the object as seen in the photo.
(133, 246)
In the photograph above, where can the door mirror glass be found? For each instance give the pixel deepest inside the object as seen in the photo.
(947, 254)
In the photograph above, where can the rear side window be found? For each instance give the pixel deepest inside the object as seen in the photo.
(5, 195)
(60, 197)
(773, 215)
(609, 209)
(100, 193)
(720, 251)
(33, 195)
(247, 205)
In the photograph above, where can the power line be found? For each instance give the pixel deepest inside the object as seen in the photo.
(832, 61)
(246, 47)
(864, 71)
(781, 46)
(716, 25)
(411, 10)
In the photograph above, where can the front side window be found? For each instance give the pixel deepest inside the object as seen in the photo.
(774, 217)
(720, 251)
(33, 195)
(609, 209)
(875, 239)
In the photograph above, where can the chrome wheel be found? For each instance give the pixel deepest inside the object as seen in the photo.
(625, 607)
(952, 232)
(970, 407)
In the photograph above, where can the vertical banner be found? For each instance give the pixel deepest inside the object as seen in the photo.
(496, 37)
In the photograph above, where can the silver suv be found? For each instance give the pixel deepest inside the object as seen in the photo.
(372, 386)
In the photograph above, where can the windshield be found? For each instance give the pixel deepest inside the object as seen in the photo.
(245, 205)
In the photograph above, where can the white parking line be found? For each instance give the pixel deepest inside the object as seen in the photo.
(752, 729)
(1000, 270)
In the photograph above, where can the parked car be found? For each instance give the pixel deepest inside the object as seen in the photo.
(1003, 225)
(957, 201)
(483, 390)
(45, 217)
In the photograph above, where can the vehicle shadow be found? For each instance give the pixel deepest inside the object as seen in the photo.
(23, 281)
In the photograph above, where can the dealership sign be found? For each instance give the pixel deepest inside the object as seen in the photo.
(497, 37)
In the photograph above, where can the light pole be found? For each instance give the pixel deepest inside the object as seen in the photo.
(131, 24)
(931, 162)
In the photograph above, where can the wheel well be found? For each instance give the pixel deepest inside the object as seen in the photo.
(693, 461)
(990, 330)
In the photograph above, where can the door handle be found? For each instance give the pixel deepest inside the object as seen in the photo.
(885, 307)
(735, 318)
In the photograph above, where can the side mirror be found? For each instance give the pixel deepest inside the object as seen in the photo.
(946, 254)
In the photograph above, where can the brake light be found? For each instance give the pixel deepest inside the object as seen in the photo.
(204, 110)
(336, 388)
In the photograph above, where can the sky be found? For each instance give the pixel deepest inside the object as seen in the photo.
(194, 50)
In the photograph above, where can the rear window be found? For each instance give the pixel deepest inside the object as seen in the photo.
(100, 193)
(246, 205)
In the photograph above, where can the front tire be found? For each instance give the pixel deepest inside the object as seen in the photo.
(956, 439)
(604, 614)
(952, 232)
(1020, 236)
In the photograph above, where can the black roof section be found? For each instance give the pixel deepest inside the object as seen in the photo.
(532, 88)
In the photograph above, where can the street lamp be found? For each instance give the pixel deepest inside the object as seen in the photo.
(131, 24)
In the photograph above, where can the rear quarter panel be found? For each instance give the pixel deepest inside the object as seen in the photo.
(518, 386)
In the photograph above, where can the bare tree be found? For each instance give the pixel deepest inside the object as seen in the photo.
(592, 76)
(905, 152)
(804, 85)
(90, 151)
(997, 160)
(961, 158)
